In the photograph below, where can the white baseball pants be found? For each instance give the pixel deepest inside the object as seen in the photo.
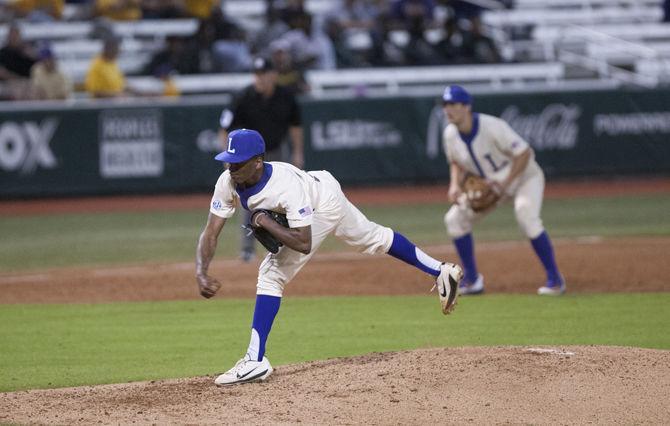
(527, 207)
(336, 215)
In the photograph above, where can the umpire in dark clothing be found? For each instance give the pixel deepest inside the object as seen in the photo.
(273, 111)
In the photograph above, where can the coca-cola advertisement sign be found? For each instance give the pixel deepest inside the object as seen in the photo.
(555, 127)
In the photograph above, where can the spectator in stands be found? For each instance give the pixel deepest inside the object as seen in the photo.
(219, 46)
(119, 10)
(16, 56)
(162, 9)
(477, 47)
(82, 10)
(47, 80)
(273, 28)
(104, 78)
(385, 52)
(350, 18)
(102, 28)
(16, 59)
(310, 48)
(201, 9)
(175, 55)
(288, 75)
(353, 14)
(405, 12)
(273, 111)
(449, 47)
(38, 10)
(166, 75)
(292, 9)
(462, 9)
(418, 50)
(230, 48)
(199, 48)
(345, 57)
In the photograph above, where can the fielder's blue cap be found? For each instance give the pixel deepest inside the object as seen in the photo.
(456, 94)
(243, 144)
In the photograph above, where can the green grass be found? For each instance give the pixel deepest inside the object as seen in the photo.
(606, 216)
(33, 242)
(46, 346)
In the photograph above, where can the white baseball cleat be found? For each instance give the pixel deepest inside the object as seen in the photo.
(245, 371)
(553, 287)
(476, 287)
(555, 290)
(447, 285)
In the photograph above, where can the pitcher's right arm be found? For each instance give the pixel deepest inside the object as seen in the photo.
(205, 253)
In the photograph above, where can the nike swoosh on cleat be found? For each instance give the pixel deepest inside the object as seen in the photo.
(443, 294)
(247, 380)
(245, 374)
(254, 377)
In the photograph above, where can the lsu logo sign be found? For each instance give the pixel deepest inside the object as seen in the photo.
(354, 134)
(25, 146)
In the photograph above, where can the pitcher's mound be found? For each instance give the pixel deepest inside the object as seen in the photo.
(529, 385)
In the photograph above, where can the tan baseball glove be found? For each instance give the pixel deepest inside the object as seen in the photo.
(480, 194)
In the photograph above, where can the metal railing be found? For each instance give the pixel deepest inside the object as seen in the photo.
(599, 48)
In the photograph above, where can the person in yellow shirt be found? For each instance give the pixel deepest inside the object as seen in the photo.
(30, 9)
(119, 10)
(165, 73)
(201, 9)
(104, 78)
(170, 89)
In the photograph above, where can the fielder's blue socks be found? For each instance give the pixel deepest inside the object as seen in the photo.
(405, 250)
(466, 251)
(545, 251)
(264, 315)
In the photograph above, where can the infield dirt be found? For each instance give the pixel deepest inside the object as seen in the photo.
(589, 265)
(493, 385)
(499, 385)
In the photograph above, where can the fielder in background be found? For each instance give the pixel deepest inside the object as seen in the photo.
(488, 147)
(274, 112)
(315, 207)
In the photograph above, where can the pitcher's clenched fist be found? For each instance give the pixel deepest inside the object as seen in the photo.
(208, 285)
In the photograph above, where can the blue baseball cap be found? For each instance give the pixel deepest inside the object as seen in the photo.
(46, 53)
(456, 94)
(243, 144)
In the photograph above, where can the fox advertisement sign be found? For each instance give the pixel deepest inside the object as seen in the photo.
(25, 146)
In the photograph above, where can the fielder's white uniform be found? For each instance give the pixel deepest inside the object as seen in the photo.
(487, 151)
(307, 198)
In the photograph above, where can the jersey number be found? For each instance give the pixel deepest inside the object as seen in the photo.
(494, 166)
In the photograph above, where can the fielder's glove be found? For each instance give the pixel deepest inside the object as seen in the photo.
(480, 193)
(263, 235)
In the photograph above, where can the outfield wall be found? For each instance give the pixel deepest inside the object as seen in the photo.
(98, 148)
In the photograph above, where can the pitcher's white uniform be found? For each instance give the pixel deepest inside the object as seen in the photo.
(307, 198)
(487, 152)
(311, 201)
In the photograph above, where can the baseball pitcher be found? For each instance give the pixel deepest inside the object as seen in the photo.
(293, 211)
